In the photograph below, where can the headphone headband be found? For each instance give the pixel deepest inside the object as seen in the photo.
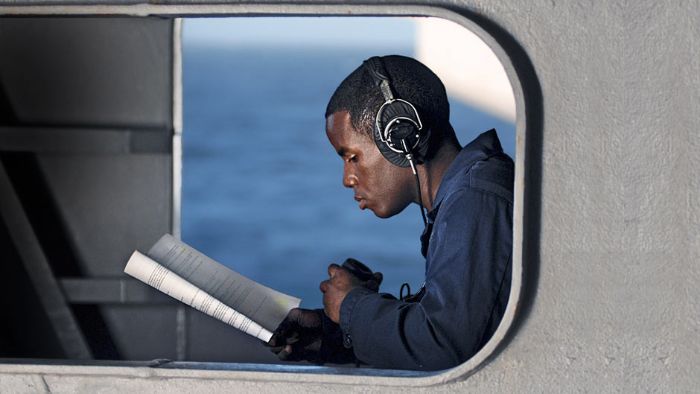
(380, 76)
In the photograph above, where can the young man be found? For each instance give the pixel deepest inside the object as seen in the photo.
(389, 123)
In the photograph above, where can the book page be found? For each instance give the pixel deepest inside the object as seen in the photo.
(263, 305)
(153, 274)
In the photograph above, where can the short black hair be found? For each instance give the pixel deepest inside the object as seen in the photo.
(410, 80)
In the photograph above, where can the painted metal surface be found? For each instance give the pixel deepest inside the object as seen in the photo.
(611, 207)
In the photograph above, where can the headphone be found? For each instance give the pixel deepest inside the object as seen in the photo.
(398, 130)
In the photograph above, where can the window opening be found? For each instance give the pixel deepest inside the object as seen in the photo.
(253, 109)
(261, 185)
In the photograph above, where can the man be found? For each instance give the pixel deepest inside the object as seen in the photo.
(389, 123)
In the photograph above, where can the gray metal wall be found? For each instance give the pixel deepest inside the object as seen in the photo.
(612, 214)
(85, 142)
(615, 301)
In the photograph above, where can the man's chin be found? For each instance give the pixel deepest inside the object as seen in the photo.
(382, 214)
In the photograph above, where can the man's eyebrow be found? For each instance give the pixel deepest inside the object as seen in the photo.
(341, 152)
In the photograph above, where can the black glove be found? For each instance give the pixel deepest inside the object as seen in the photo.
(299, 336)
(308, 334)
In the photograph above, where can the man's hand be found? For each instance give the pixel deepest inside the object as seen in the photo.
(299, 336)
(342, 280)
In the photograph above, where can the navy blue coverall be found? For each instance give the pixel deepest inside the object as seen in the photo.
(467, 245)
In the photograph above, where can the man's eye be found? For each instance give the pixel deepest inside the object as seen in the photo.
(352, 159)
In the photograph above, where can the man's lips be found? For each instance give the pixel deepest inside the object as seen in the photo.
(362, 201)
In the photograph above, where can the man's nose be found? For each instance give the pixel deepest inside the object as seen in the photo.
(349, 179)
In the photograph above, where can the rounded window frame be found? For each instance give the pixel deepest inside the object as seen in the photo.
(306, 374)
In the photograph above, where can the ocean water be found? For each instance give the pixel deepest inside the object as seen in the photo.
(262, 189)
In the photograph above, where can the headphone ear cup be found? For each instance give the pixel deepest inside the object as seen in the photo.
(400, 159)
(405, 125)
(422, 149)
(394, 158)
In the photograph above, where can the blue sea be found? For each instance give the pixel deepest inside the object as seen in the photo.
(262, 189)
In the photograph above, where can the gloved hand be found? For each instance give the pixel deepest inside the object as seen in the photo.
(299, 336)
(342, 279)
(307, 334)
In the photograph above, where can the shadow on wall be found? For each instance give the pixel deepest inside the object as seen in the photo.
(7, 113)
(532, 182)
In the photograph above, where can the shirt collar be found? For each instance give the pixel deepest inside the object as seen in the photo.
(480, 148)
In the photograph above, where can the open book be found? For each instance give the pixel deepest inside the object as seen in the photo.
(189, 276)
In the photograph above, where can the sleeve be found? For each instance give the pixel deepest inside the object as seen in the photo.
(332, 347)
(467, 267)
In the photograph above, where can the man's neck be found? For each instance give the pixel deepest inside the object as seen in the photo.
(430, 173)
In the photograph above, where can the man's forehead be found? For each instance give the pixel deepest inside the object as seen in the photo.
(338, 133)
(343, 135)
(338, 122)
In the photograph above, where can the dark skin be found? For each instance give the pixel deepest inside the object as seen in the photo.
(339, 283)
(378, 185)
